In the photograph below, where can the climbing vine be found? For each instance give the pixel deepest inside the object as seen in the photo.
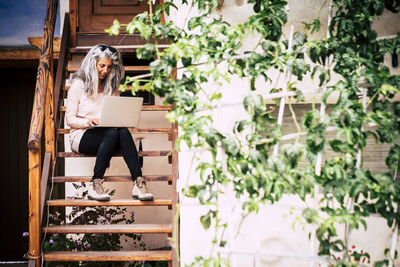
(206, 51)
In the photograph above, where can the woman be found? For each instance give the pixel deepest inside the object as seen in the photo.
(99, 75)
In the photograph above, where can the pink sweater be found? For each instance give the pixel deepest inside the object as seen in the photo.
(80, 108)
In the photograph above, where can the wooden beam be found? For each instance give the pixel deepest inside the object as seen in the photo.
(19, 54)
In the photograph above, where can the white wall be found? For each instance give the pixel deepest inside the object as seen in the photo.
(270, 231)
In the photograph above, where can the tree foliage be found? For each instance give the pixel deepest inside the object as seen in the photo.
(243, 158)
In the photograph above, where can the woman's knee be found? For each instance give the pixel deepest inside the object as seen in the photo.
(124, 131)
(111, 136)
(111, 133)
(125, 134)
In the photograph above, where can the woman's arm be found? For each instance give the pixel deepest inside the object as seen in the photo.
(71, 113)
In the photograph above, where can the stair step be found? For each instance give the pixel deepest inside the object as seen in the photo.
(122, 48)
(110, 229)
(79, 179)
(132, 130)
(146, 68)
(128, 87)
(144, 108)
(113, 202)
(141, 153)
(108, 256)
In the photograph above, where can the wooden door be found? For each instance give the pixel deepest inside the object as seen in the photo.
(96, 15)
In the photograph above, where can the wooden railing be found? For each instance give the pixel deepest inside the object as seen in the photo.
(43, 90)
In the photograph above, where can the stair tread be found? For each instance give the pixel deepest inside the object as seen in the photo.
(159, 153)
(122, 48)
(128, 87)
(119, 178)
(146, 68)
(132, 130)
(144, 108)
(160, 255)
(110, 228)
(112, 202)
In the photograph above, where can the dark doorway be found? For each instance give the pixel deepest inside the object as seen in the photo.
(17, 87)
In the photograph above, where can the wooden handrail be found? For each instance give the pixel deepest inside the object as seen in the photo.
(35, 130)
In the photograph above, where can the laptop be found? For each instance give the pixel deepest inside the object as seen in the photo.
(119, 111)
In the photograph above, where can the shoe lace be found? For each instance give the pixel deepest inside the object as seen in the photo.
(141, 184)
(98, 186)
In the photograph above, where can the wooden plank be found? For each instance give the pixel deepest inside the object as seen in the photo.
(18, 54)
(116, 202)
(132, 130)
(110, 229)
(90, 39)
(127, 68)
(128, 88)
(144, 108)
(108, 256)
(160, 153)
(124, 49)
(156, 108)
(120, 178)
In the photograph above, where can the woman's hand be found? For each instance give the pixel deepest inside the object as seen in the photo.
(93, 122)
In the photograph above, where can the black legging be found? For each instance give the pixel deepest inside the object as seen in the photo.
(104, 142)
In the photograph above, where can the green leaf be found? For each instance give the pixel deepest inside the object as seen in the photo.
(388, 88)
(145, 52)
(339, 146)
(205, 220)
(191, 191)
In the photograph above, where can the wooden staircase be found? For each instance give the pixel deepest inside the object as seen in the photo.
(66, 66)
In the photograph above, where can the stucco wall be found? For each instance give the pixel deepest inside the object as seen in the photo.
(271, 230)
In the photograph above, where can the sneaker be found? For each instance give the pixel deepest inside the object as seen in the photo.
(97, 192)
(140, 190)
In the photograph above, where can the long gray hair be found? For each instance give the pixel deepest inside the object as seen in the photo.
(88, 72)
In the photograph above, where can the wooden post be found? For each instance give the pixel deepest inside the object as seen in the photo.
(34, 205)
(73, 20)
(175, 198)
(35, 131)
